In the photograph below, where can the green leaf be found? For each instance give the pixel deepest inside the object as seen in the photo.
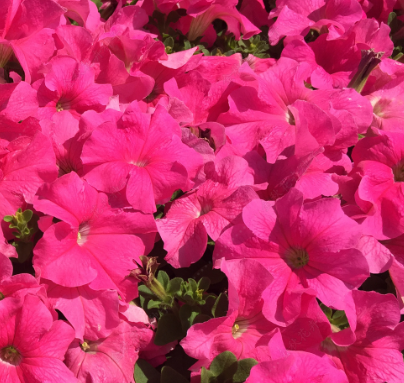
(326, 310)
(146, 292)
(187, 315)
(206, 375)
(221, 306)
(169, 329)
(224, 365)
(169, 375)
(152, 304)
(27, 215)
(158, 214)
(244, 367)
(8, 218)
(204, 283)
(169, 42)
(398, 56)
(193, 286)
(163, 278)
(145, 372)
(339, 314)
(391, 18)
(174, 286)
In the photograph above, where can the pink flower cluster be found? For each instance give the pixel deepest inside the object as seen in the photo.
(293, 167)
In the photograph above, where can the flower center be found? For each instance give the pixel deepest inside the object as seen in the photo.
(240, 326)
(290, 118)
(139, 163)
(296, 257)
(206, 209)
(84, 231)
(398, 172)
(5, 54)
(62, 105)
(380, 106)
(1, 296)
(10, 355)
(85, 346)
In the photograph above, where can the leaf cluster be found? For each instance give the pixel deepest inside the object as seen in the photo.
(24, 226)
(183, 304)
(225, 368)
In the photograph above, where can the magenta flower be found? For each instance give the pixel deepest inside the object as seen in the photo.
(390, 254)
(29, 35)
(374, 188)
(296, 18)
(90, 312)
(334, 62)
(378, 9)
(63, 131)
(111, 359)
(206, 211)
(281, 365)
(17, 101)
(84, 12)
(272, 113)
(94, 244)
(236, 22)
(32, 345)
(26, 164)
(144, 154)
(69, 85)
(244, 324)
(374, 353)
(19, 285)
(387, 101)
(303, 246)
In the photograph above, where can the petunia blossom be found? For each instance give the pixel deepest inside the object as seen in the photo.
(244, 324)
(206, 211)
(282, 365)
(143, 153)
(94, 244)
(373, 353)
(90, 312)
(32, 345)
(108, 359)
(69, 85)
(311, 245)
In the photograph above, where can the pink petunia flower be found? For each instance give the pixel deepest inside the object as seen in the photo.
(19, 285)
(206, 211)
(387, 101)
(90, 312)
(29, 35)
(17, 101)
(335, 62)
(244, 324)
(281, 365)
(69, 85)
(374, 188)
(32, 345)
(370, 350)
(94, 244)
(296, 18)
(143, 154)
(110, 359)
(304, 246)
(26, 163)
